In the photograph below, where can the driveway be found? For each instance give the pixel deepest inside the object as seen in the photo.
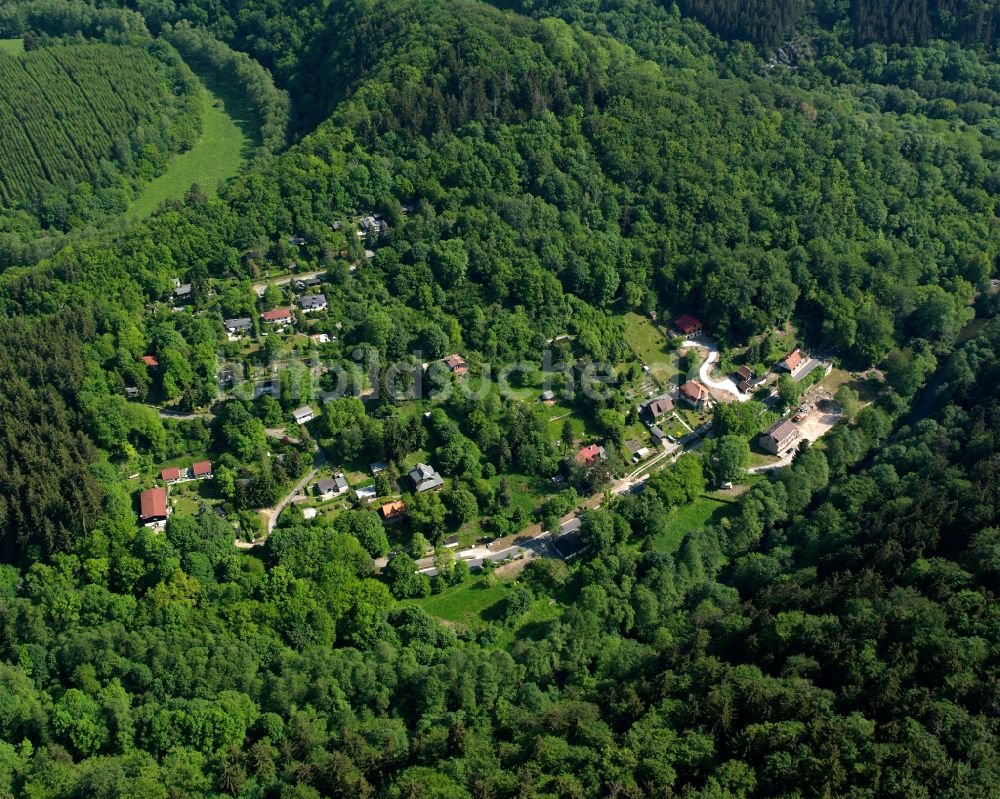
(809, 366)
(260, 286)
(272, 514)
(704, 374)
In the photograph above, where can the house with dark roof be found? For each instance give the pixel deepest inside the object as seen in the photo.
(656, 408)
(746, 379)
(779, 437)
(425, 478)
(569, 540)
(331, 487)
(695, 394)
(153, 508)
(313, 302)
(689, 325)
(239, 326)
(278, 316)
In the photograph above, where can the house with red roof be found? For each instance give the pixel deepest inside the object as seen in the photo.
(279, 316)
(202, 470)
(588, 455)
(794, 361)
(695, 393)
(153, 508)
(150, 360)
(689, 325)
(173, 475)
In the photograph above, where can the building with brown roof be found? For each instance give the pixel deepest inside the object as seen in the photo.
(456, 364)
(689, 325)
(779, 437)
(695, 393)
(656, 408)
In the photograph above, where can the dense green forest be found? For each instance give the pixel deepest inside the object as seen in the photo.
(539, 170)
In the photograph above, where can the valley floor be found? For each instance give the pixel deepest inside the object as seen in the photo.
(218, 155)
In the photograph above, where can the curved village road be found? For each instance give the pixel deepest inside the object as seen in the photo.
(541, 544)
(727, 385)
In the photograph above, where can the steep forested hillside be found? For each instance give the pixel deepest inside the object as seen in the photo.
(540, 173)
(975, 22)
(764, 22)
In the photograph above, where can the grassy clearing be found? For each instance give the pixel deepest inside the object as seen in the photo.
(840, 377)
(532, 625)
(645, 338)
(11, 46)
(470, 605)
(707, 509)
(650, 345)
(221, 151)
(758, 457)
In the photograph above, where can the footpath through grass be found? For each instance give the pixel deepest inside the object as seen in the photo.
(11, 46)
(226, 140)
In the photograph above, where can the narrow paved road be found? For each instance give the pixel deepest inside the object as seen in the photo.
(541, 544)
(727, 385)
(272, 514)
(784, 460)
(261, 285)
(163, 413)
